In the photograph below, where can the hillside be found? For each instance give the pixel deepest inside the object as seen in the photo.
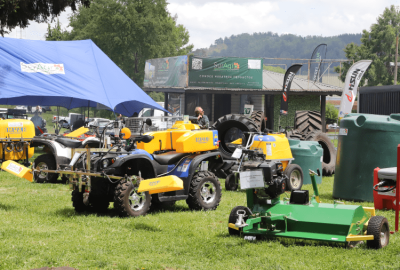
(273, 45)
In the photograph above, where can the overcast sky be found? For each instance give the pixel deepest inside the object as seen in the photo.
(208, 20)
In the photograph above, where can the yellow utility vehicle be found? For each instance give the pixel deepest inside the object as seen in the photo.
(15, 138)
(175, 161)
(271, 147)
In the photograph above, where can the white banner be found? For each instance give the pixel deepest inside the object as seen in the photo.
(47, 69)
(353, 78)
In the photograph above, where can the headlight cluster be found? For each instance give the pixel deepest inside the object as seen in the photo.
(105, 163)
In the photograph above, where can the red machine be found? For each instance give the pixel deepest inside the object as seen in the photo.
(387, 188)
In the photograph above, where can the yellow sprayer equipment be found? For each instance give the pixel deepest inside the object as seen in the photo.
(273, 146)
(15, 136)
(182, 141)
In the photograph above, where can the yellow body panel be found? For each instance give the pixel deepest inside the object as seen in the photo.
(232, 226)
(182, 141)
(16, 129)
(370, 210)
(182, 125)
(198, 141)
(161, 184)
(77, 133)
(274, 146)
(352, 237)
(17, 169)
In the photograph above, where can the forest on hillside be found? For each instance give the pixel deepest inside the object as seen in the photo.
(273, 45)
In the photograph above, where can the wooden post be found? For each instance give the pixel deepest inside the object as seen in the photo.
(323, 108)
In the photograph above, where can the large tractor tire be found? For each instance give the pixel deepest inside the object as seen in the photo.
(329, 157)
(259, 119)
(45, 162)
(204, 192)
(128, 202)
(308, 121)
(231, 127)
(294, 135)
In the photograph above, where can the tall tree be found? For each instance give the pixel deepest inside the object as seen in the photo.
(19, 12)
(128, 31)
(378, 45)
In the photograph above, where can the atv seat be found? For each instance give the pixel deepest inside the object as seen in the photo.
(169, 158)
(69, 143)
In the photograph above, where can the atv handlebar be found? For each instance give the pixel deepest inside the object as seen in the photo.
(143, 138)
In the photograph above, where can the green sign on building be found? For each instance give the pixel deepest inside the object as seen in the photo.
(225, 72)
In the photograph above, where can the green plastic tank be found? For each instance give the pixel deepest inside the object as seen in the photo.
(308, 155)
(366, 141)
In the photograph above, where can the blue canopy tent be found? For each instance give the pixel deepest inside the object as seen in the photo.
(69, 74)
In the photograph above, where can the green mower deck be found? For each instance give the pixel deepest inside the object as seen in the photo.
(315, 221)
(312, 220)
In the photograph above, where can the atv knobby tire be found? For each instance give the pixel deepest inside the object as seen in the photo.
(329, 156)
(204, 191)
(77, 201)
(129, 203)
(308, 121)
(234, 216)
(295, 177)
(225, 124)
(378, 226)
(259, 119)
(48, 162)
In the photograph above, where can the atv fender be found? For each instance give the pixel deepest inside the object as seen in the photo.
(125, 161)
(92, 142)
(194, 164)
(61, 154)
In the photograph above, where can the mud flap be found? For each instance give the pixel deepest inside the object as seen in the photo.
(18, 170)
(161, 184)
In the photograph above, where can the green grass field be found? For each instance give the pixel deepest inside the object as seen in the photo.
(39, 227)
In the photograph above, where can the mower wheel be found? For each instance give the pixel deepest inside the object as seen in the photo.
(204, 191)
(234, 216)
(128, 202)
(77, 201)
(230, 182)
(295, 177)
(378, 226)
(46, 162)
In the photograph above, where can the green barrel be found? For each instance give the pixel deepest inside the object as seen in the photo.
(366, 141)
(308, 155)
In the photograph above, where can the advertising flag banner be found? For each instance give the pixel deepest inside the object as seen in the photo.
(316, 65)
(166, 72)
(226, 72)
(287, 82)
(353, 78)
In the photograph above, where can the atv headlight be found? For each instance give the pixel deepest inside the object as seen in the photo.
(105, 163)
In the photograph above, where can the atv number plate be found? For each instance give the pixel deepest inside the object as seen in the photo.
(251, 179)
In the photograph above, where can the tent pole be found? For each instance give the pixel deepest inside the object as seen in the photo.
(58, 120)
